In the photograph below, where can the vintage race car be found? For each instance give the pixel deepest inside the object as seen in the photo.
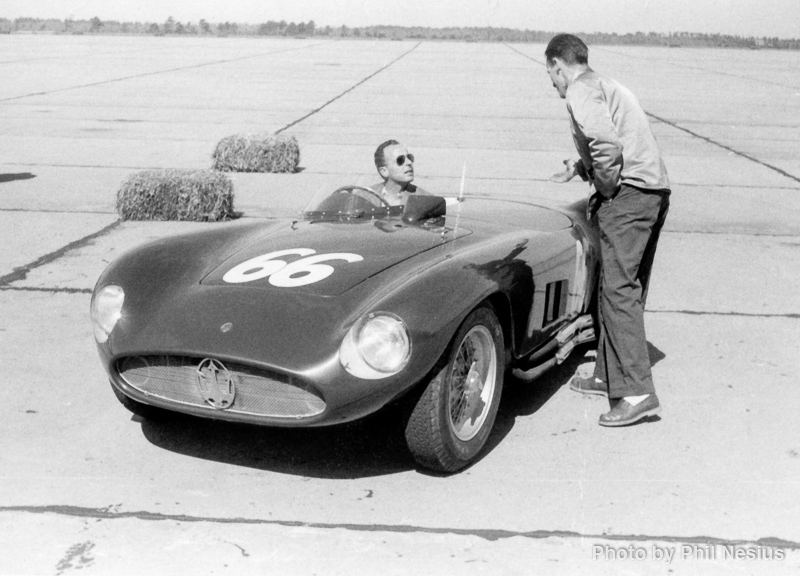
(335, 315)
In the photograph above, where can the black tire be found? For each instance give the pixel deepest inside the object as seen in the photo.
(139, 409)
(454, 417)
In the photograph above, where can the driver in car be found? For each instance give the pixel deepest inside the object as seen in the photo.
(396, 166)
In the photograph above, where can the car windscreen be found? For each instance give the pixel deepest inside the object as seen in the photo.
(357, 203)
(349, 203)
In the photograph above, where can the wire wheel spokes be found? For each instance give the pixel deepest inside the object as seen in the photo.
(472, 383)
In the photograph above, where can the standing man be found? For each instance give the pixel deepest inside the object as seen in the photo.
(620, 158)
(396, 166)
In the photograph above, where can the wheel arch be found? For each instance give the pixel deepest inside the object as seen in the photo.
(502, 309)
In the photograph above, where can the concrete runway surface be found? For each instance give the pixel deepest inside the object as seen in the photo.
(712, 487)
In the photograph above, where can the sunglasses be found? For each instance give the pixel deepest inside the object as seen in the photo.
(402, 159)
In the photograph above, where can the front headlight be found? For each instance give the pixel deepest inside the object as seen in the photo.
(106, 310)
(377, 346)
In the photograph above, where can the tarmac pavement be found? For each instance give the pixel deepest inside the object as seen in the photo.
(710, 487)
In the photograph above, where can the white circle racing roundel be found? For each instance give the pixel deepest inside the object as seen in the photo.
(306, 270)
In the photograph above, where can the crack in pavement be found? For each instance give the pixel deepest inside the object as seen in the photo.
(353, 87)
(21, 272)
(486, 534)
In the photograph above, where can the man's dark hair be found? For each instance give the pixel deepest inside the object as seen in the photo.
(569, 48)
(379, 156)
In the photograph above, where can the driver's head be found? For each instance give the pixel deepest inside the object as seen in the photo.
(394, 163)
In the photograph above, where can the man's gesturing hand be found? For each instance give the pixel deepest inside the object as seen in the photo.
(567, 174)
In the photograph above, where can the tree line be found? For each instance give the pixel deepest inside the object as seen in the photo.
(172, 27)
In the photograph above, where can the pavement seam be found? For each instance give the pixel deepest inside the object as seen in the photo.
(724, 147)
(524, 55)
(157, 72)
(675, 184)
(759, 81)
(789, 315)
(54, 290)
(21, 272)
(54, 211)
(353, 87)
(692, 133)
(486, 534)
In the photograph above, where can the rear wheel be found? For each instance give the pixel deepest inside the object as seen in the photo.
(454, 417)
(143, 410)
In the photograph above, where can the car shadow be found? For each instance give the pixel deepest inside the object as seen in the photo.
(373, 446)
(16, 176)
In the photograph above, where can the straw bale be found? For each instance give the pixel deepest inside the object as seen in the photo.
(257, 153)
(170, 194)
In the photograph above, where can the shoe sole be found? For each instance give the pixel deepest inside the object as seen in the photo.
(646, 414)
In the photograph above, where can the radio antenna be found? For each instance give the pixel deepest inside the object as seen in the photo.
(460, 200)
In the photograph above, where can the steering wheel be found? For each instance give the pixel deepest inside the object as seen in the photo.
(352, 188)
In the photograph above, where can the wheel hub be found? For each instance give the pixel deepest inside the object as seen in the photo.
(472, 383)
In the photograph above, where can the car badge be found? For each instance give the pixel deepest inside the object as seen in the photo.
(216, 384)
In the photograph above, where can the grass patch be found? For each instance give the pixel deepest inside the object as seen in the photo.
(197, 195)
(257, 153)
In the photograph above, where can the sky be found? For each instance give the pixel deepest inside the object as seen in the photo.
(771, 18)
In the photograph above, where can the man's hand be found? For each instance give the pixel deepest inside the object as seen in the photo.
(568, 173)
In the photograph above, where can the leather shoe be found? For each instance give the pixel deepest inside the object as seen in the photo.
(588, 385)
(623, 413)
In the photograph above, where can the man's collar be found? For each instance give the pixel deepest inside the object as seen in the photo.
(410, 188)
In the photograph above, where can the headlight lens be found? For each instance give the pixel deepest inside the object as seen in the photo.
(106, 311)
(377, 346)
(383, 343)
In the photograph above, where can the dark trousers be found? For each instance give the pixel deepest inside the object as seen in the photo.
(629, 228)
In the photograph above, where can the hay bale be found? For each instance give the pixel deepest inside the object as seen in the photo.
(257, 153)
(199, 195)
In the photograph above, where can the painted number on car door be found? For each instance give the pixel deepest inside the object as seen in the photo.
(306, 270)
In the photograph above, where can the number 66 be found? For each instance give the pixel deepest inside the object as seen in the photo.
(299, 273)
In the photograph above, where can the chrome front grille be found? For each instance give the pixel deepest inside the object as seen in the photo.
(258, 392)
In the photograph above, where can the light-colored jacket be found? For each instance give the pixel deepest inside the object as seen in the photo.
(613, 136)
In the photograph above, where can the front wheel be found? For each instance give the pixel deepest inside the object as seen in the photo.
(454, 417)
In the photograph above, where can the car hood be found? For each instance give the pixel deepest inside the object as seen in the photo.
(325, 259)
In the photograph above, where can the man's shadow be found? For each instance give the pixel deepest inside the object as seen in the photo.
(17, 176)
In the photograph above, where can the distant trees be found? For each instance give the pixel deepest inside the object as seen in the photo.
(172, 27)
(272, 28)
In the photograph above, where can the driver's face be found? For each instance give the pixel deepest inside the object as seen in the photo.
(401, 173)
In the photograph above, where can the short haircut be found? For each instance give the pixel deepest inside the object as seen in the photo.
(380, 160)
(569, 48)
